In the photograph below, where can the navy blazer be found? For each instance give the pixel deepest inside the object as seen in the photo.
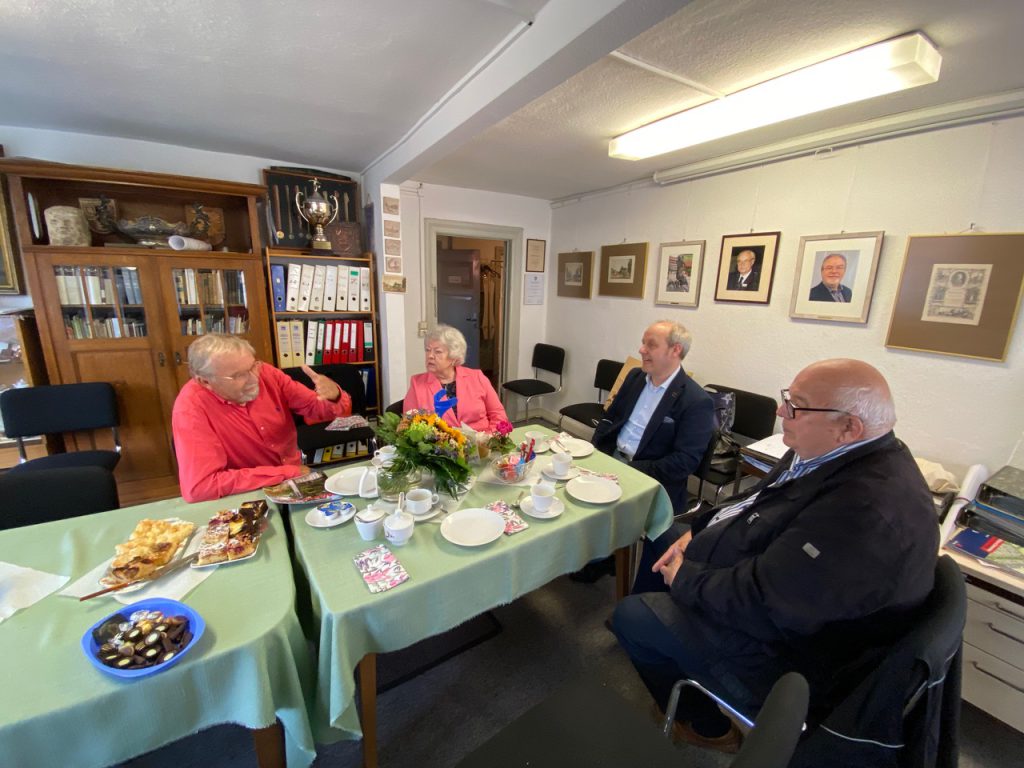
(676, 437)
(821, 293)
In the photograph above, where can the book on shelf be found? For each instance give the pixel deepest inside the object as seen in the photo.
(320, 327)
(368, 352)
(62, 285)
(291, 300)
(364, 289)
(330, 288)
(298, 333)
(93, 286)
(73, 282)
(353, 289)
(277, 286)
(341, 297)
(284, 344)
(132, 286)
(305, 287)
(337, 342)
(311, 333)
(344, 341)
(316, 296)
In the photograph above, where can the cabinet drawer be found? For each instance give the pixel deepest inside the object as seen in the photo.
(994, 686)
(1013, 607)
(995, 631)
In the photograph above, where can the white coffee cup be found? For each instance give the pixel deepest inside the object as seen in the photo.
(419, 501)
(543, 495)
(384, 455)
(560, 463)
(540, 439)
(370, 522)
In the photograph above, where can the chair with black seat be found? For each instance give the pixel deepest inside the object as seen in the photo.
(58, 409)
(313, 437)
(585, 723)
(590, 413)
(28, 498)
(754, 420)
(545, 358)
(395, 407)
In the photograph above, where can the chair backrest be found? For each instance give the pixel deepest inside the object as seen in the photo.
(395, 407)
(55, 408)
(27, 498)
(755, 414)
(607, 372)
(346, 376)
(776, 731)
(548, 358)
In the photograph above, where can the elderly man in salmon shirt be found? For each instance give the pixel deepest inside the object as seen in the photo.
(233, 424)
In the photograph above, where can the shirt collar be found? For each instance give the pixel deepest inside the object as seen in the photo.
(835, 453)
(666, 382)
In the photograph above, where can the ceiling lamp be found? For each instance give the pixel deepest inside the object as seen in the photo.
(895, 65)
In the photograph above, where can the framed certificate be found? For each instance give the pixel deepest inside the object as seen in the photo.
(535, 255)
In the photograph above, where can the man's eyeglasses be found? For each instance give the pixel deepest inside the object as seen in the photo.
(254, 370)
(792, 409)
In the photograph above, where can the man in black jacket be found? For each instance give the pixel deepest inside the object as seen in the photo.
(816, 569)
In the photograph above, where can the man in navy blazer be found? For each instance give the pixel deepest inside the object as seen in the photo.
(661, 420)
(746, 277)
(831, 287)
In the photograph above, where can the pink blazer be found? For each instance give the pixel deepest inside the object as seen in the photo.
(479, 406)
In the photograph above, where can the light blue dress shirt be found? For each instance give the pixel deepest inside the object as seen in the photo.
(630, 434)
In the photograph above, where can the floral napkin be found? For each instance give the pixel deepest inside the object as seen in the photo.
(513, 522)
(380, 569)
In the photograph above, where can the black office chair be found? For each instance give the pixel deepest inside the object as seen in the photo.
(313, 437)
(58, 409)
(586, 724)
(396, 407)
(695, 503)
(42, 495)
(545, 358)
(590, 413)
(754, 420)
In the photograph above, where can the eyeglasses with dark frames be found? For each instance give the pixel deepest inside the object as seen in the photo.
(792, 409)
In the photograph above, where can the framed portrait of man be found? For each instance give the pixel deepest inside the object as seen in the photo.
(747, 267)
(679, 271)
(835, 276)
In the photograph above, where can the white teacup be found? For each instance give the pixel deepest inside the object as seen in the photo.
(540, 439)
(560, 463)
(370, 522)
(543, 495)
(384, 455)
(419, 501)
(398, 527)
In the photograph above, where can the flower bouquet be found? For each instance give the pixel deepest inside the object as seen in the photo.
(425, 441)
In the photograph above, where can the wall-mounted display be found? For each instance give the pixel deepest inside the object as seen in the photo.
(623, 270)
(574, 276)
(835, 276)
(747, 267)
(289, 228)
(679, 270)
(959, 295)
(535, 251)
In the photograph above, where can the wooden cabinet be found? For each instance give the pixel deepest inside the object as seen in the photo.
(115, 310)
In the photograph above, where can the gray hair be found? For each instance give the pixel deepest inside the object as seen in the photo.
(834, 255)
(202, 351)
(873, 407)
(677, 334)
(451, 338)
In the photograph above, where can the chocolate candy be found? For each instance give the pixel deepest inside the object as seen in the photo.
(150, 638)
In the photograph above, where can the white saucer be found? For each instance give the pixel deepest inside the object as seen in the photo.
(549, 472)
(316, 520)
(575, 447)
(556, 508)
(594, 490)
(434, 511)
(346, 482)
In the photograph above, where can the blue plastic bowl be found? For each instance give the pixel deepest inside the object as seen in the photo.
(196, 625)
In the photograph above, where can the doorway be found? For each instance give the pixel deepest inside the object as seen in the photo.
(470, 296)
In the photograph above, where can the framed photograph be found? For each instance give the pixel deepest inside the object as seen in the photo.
(574, 274)
(535, 255)
(9, 282)
(393, 283)
(959, 295)
(623, 270)
(835, 276)
(679, 269)
(747, 267)
(390, 206)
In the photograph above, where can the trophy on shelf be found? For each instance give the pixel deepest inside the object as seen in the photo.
(317, 212)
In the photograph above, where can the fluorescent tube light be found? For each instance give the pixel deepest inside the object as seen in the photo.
(894, 65)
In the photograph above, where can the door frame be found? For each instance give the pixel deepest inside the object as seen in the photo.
(514, 255)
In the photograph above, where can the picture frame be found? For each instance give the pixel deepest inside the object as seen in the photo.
(10, 274)
(679, 271)
(959, 295)
(623, 270)
(835, 276)
(754, 285)
(535, 251)
(575, 274)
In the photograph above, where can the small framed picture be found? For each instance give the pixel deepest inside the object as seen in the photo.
(623, 270)
(835, 276)
(535, 250)
(574, 277)
(747, 267)
(679, 270)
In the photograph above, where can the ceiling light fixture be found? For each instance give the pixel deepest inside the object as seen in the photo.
(894, 65)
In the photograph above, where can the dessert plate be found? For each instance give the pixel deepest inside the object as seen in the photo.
(346, 482)
(472, 527)
(573, 446)
(593, 490)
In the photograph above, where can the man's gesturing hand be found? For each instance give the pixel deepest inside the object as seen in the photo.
(326, 389)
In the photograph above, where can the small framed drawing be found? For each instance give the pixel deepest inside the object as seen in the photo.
(747, 267)
(679, 269)
(958, 295)
(535, 255)
(835, 276)
(574, 274)
(623, 270)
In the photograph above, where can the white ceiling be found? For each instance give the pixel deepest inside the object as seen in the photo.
(349, 85)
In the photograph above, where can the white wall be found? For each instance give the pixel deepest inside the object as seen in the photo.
(951, 409)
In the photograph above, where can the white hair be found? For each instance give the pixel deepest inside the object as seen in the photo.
(677, 334)
(451, 338)
(873, 407)
(202, 351)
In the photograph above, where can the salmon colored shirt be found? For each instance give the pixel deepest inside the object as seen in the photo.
(479, 406)
(225, 448)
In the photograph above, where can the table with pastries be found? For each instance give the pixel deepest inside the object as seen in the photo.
(251, 666)
(448, 584)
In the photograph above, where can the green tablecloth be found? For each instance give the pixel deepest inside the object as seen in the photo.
(449, 584)
(251, 665)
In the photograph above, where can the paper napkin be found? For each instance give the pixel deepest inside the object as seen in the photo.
(380, 569)
(21, 587)
(513, 522)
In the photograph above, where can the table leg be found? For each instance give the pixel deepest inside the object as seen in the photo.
(622, 572)
(269, 743)
(368, 708)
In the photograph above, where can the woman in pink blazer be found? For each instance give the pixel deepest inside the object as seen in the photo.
(457, 394)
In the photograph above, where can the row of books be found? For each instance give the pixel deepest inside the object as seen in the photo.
(203, 286)
(317, 342)
(93, 285)
(78, 327)
(342, 451)
(194, 326)
(320, 288)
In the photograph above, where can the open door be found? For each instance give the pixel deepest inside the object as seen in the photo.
(458, 296)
